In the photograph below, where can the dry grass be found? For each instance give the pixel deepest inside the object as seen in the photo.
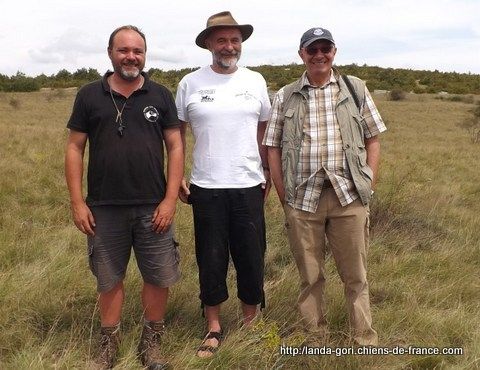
(424, 256)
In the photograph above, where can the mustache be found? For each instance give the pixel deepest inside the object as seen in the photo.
(229, 53)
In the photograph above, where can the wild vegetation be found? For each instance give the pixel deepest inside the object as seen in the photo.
(424, 255)
(277, 76)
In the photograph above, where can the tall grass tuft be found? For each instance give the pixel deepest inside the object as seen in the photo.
(14, 102)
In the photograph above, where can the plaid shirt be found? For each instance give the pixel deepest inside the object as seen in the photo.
(321, 153)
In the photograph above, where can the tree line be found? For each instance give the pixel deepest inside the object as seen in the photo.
(377, 78)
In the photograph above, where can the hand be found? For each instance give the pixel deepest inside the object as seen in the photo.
(267, 185)
(83, 218)
(184, 191)
(163, 215)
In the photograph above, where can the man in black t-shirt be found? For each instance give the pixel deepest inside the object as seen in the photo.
(126, 118)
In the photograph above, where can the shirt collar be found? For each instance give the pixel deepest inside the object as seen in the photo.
(306, 83)
(106, 86)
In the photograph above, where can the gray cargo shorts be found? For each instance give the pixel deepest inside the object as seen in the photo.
(117, 230)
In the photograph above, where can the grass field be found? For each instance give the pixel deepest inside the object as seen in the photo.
(424, 258)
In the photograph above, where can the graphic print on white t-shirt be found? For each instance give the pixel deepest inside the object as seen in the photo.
(207, 95)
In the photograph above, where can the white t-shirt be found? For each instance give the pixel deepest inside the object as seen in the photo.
(223, 111)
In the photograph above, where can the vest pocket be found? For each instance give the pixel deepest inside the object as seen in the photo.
(289, 167)
(359, 127)
(288, 126)
(367, 171)
(361, 153)
(362, 162)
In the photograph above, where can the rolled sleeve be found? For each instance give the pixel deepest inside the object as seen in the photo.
(274, 130)
(373, 122)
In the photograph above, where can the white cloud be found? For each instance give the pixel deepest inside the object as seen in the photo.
(40, 56)
(69, 47)
(427, 34)
(170, 55)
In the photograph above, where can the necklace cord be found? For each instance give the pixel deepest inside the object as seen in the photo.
(119, 118)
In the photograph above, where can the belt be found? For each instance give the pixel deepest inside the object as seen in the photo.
(327, 184)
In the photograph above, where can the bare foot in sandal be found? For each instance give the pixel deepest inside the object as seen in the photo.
(210, 344)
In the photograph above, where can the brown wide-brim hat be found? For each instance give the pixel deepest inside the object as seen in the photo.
(219, 20)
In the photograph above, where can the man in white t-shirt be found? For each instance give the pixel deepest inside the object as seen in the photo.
(227, 107)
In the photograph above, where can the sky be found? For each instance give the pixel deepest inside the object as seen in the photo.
(47, 36)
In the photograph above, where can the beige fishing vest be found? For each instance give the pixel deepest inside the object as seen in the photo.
(350, 121)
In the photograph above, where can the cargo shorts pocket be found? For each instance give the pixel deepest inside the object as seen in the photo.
(167, 269)
(90, 249)
(176, 250)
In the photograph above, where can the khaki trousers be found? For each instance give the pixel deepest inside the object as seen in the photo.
(346, 229)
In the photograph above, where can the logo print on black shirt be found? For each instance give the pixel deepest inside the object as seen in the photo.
(150, 113)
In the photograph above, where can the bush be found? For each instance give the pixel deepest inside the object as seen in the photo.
(20, 82)
(472, 125)
(397, 94)
(476, 111)
(418, 90)
(456, 98)
(469, 99)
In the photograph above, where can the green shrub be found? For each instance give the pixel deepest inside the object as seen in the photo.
(20, 82)
(397, 94)
(469, 99)
(456, 98)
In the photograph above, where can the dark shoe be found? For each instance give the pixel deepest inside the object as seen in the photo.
(209, 349)
(149, 347)
(108, 348)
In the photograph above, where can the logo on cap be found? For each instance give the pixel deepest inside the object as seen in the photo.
(150, 113)
(318, 32)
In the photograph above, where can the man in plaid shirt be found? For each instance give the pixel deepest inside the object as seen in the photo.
(323, 153)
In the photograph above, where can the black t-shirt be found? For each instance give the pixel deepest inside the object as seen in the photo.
(127, 169)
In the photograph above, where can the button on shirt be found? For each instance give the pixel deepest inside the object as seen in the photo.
(321, 154)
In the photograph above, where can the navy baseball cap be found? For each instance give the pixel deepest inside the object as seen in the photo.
(314, 34)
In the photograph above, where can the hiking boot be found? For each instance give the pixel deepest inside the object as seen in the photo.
(108, 348)
(149, 347)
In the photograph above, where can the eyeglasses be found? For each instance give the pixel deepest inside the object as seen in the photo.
(312, 50)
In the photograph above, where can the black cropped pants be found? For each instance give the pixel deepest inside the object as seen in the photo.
(229, 222)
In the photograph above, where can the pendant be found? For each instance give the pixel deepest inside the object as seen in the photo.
(120, 129)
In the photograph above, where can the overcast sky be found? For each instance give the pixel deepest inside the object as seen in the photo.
(47, 36)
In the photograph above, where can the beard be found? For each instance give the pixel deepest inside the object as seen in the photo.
(128, 72)
(129, 75)
(226, 61)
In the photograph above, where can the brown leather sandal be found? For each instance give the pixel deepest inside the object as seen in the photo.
(207, 348)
